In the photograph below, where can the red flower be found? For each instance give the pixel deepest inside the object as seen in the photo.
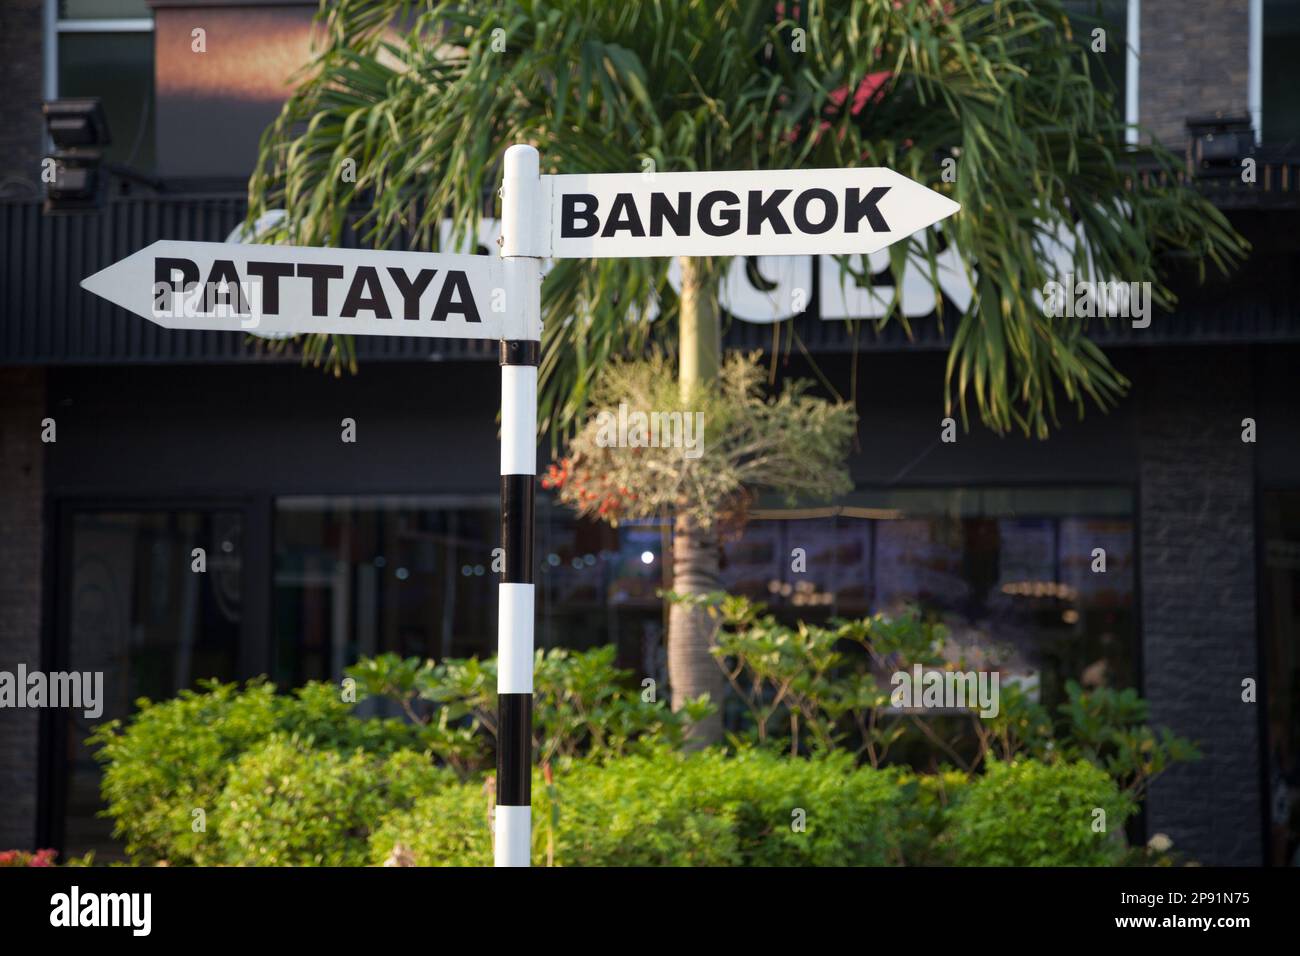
(23, 858)
(871, 87)
(556, 475)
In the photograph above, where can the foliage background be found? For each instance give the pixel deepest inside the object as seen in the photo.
(302, 779)
(1004, 89)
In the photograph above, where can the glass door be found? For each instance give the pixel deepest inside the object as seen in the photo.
(1281, 635)
(150, 598)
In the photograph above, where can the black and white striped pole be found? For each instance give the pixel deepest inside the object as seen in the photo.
(523, 221)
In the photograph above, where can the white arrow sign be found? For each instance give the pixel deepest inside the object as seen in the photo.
(299, 289)
(742, 213)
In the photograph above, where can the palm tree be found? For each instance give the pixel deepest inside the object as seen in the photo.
(403, 115)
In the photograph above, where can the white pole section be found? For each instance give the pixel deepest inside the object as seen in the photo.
(1255, 74)
(1133, 71)
(50, 55)
(523, 216)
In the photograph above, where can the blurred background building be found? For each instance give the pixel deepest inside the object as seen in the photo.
(320, 552)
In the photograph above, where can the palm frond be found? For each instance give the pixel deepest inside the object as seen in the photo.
(424, 98)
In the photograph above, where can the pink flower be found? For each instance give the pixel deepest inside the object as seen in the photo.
(871, 87)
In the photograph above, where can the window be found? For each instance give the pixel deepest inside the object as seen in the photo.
(1280, 614)
(598, 585)
(132, 608)
(104, 48)
(413, 576)
(1275, 72)
(1118, 67)
(356, 577)
(1009, 571)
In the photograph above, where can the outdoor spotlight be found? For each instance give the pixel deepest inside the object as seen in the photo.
(76, 123)
(1218, 144)
(79, 132)
(73, 183)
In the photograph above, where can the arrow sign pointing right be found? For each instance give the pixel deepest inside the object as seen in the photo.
(300, 289)
(743, 213)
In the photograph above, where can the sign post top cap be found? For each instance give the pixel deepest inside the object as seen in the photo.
(522, 160)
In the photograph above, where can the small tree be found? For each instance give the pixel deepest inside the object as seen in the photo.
(714, 446)
(698, 463)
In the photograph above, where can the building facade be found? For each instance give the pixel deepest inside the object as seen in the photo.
(320, 551)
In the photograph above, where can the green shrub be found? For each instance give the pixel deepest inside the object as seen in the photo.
(632, 811)
(850, 816)
(1029, 813)
(173, 758)
(814, 688)
(446, 828)
(644, 810)
(1109, 728)
(289, 804)
(928, 800)
(669, 809)
(300, 779)
(582, 706)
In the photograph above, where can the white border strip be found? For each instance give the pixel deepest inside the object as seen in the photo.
(518, 420)
(515, 639)
(514, 833)
(1255, 78)
(1132, 72)
(107, 25)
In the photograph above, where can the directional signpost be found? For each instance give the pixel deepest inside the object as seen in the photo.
(295, 290)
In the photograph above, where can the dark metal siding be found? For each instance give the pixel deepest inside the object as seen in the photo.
(47, 319)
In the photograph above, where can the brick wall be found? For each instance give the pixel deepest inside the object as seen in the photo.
(1195, 62)
(1197, 539)
(21, 125)
(22, 477)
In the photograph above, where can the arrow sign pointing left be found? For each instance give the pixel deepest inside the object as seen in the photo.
(300, 289)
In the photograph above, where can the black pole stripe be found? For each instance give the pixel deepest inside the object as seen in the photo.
(520, 351)
(514, 750)
(517, 529)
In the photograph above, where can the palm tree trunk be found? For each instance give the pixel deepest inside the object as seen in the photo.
(692, 670)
